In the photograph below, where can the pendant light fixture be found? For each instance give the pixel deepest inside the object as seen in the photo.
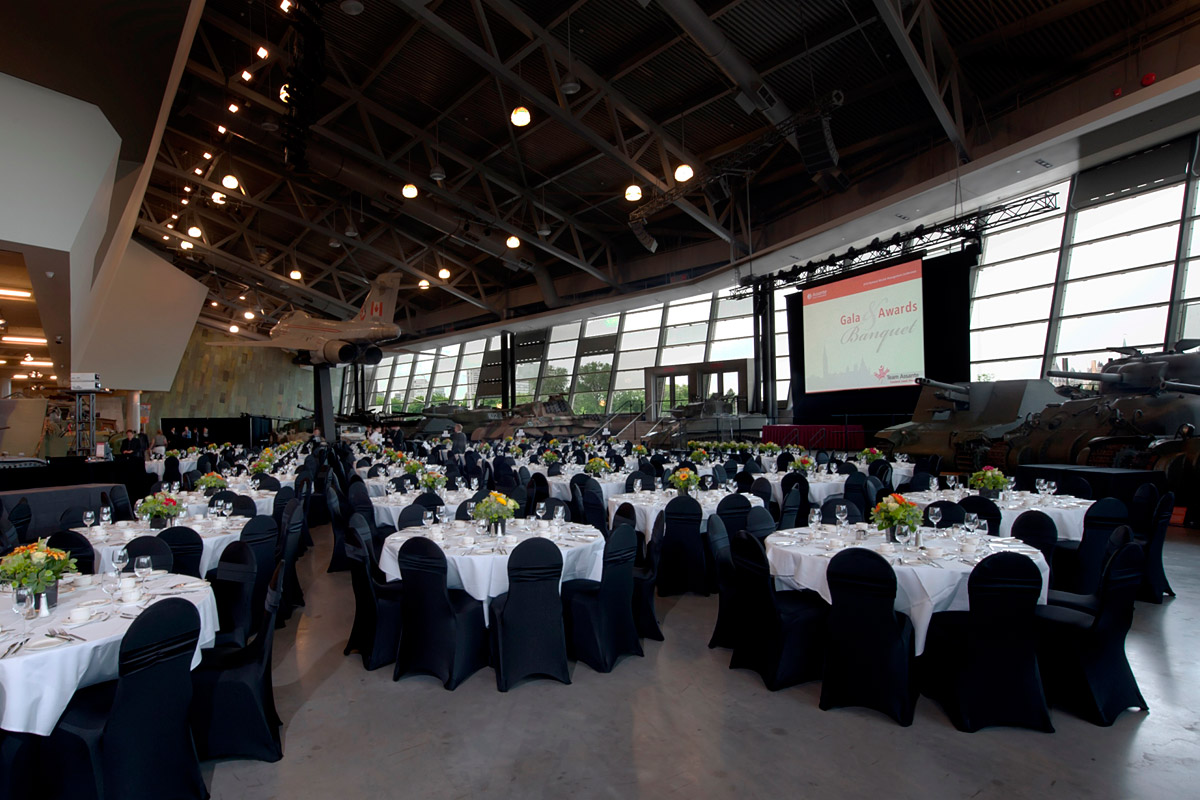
(570, 84)
(683, 172)
(512, 242)
(633, 193)
(444, 274)
(423, 284)
(520, 115)
(437, 172)
(410, 189)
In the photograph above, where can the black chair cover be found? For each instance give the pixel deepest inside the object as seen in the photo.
(1037, 529)
(526, 622)
(158, 550)
(186, 549)
(378, 605)
(1078, 565)
(171, 470)
(952, 514)
(443, 631)
(988, 511)
(733, 511)
(267, 542)
(78, 547)
(725, 631)
(412, 516)
(683, 567)
(244, 506)
(554, 503)
(72, 517)
(829, 511)
(233, 587)
(645, 577)
(1074, 485)
(1141, 511)
(129, 738)
(792, 505)
(20, 516)
(1154, 583)
(759, 523)
(997, 636)
(336, 507)
(599, 616)
(869, 650)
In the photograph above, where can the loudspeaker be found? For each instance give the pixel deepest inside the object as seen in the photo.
(816, 145)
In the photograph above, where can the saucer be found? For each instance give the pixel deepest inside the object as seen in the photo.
(45, 643)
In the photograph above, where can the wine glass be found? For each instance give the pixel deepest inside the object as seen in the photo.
(842, 513)
(1039, 485)
(439, 513)
(142, 567)
(559, 514)
(970, 522)
(183, 511)
(22, 605)
(89, 519)
(227, 508)
(1051, 487)
(110, 582)
(540, 510)
(637, 485)
(903, 532)
(814, 517)
(935, 517)
(106, 515)
(427, 517)
(120, 559)
(951, 482)
(471, 509)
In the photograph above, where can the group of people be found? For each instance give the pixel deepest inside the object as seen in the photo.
(391, 437)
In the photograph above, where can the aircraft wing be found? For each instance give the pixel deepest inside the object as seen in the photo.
(255, 343)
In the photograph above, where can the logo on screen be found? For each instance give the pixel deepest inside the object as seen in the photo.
(881, 373)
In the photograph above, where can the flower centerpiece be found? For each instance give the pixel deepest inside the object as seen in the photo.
(553, 442)
(805, 462)
(212, 448)
(551, 457)
(989, 481)
(684, 479)
(742, 447)
(413, 467)
(159, 508)
(769, 448)
(432, 481)
(870, 454)
(639, 450)
(894, 511)
(172, 453)
(496, 509)
(698, 456)
(374, 449)
(191, 451)
(37, 567)
(595, 466)
(260, 466)
(211, 481)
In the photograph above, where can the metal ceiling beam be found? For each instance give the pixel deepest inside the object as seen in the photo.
(564, 117)
(934, 64)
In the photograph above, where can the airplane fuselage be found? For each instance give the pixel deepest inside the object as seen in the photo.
(310, 333)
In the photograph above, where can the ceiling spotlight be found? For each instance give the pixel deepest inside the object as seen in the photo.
(285, 6)
(512, 242)
(207, 156)
(247, 75)
(334, 243)
(174, 216)
(171, 225)
(218, 198)
(444, 274)
(233, 328)
(352, 8)
(520, 116)
(184, 201)
(423, 284)
(351, 231)
(409, 191)
(185, 245)
(165, 237)
(195, 232)
(683, 173)
(437, 172)
(233, 108)
(248, 314)
(570, 85)
(241, 297)
(230, 181)
(28, 357)
(633, 193)
(198, 171)
(285, 93)
(262, 52)
(187, 188)
(295, 275)
(221, 129)
(213, 304)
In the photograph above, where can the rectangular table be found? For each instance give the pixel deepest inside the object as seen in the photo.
(1105, 481)
(825, 437)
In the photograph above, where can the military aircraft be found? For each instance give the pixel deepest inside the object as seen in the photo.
(331, 341)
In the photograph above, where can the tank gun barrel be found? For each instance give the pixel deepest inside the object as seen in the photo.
(1186, 388)
(945, 387)
(1100, 377)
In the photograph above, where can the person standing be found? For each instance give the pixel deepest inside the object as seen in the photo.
(188, 437)
(458, 441)
(131, 445)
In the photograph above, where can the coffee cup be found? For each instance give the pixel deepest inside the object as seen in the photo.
(131, 595)
(128, 583)
(80, 614)
(887, 547)
(84, 580)
(933, 552)
(467, 540)
(460, 524)
(967, 547)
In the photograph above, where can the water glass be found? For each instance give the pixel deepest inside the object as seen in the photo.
(427, 517)
(89, 518)
(22, 605)
(142, 567)
(560, 514)
(439, 514)
(540, 510)
(120, 559)
(814, 517)
(1051, 487)
(970, 522)
(471, 509)
(1039, 485)
(903, 532)
(106, 515)
(951, 482)
(842, 513)
(935, 517)
(227, 507)
(637, 485)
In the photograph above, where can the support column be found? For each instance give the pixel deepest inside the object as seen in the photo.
(323, 402)
(133, 411)
(762, 395)
(508, 369)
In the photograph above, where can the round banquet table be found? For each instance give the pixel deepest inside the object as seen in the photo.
(157, 467)
(215, 535)
(387, 509)
(902, 471)
(197, 503)
(479, 563)
(36, 685)
(1067, 512)
(648, 505)
(924, 585)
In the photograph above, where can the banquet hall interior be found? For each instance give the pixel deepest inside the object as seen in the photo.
(599, 398)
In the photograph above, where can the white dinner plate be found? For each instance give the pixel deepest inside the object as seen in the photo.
(44, 643)
(89, 603)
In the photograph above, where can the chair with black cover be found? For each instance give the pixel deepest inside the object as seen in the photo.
(537, 488)
(204, 464)
(526, 622)
(784, 461)
(221, 496)
(554, 503)
(1090, 602)
(429, 500)
(931, 465)
(997, 636)
(986, 509)
(244, 506)
(122, 509)
(158, 550)
(233, 711)
(790, 515)
(744, 481)
(375, 471)
(599, 615)
(359, 498)
(280, 503)
(378, 604)
(411, 516)
(362, 463)
(443, 632)
(761, 488)
(71, 517)
(1141, 510)
(731, 467)
(1074, 486)
(1078, 564)
(645, 578)
(880, 468)
(855, 489)
(725, 631)
(8, 541)
(290, 534)
(635, 476)
(263, 536)
(874, 491)
(232, 581)
(268, 483)
(719, 474)
(869, 645)
(186, 549)
(1082, 656)
(919, 482)
(733, 511)
(338, 514)
(844, 468)
(1155, 584)
(518, 494)
(1037, 529)
(854, 514)
(77, 547)
(189, 480)
(683, 563)
(625, 515)
(778, 634)
(171, 470)
(129, 738)
(595, 512)
(707, 483)
(759, 523)
(952, 514)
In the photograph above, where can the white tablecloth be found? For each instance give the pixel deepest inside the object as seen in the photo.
(1067, 512)
(482, 572)
(156, 468)
(35, 686)
(902, 472)
(648, 505)
(387, 509)
(922, 588)
(197, 503)
(610, 486)
(215, 534)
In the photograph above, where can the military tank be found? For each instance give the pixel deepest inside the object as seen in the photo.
(1141, 414)
(965, 423)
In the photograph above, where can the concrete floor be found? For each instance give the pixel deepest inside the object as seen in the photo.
(679, 723)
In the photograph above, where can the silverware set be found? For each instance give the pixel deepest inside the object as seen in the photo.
(15, 647)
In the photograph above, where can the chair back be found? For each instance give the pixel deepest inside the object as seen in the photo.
(171, 470)
(638, 475)
(534, 573)
(986, 509)
(1141, 510)
(744, 481)
(760, 523)
(411, 516)
(616, 580)
(829, 511)
(1099, 523)
(429, 500)
(757, 615)
(855, 489)
(21, 515)
(426, 605)
(1118, 590)
(553, 503)
(233, 584)
(78, 547)
(268, 483)
(718, 551)
(792, 504)
(1074, 485)
(158, 550)
(952, 514)
(862, 588)
(625, 515)
(1037, 529)
(537, 488)
(733, 511)
(122, 509)
(761, 488)
(71, 517)
(187, 548)
(244, 506)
